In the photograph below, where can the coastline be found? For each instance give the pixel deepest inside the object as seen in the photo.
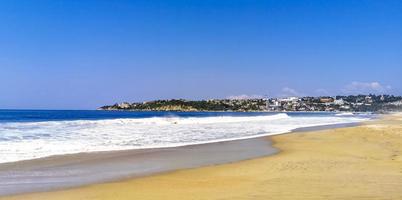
(62, 133)
(75, 170)
(344, 163)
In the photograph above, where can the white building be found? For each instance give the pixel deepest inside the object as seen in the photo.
(290, 99)
(339, 102)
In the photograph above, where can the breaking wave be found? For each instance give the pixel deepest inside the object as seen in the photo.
(30, 140)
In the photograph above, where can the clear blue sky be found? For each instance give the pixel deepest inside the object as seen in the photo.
(83, 54)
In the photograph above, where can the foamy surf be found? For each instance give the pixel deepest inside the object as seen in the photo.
(30, 140)
(344, 114)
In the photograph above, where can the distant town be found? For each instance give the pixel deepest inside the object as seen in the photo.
(351, 103)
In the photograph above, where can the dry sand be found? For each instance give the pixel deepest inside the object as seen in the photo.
(362, 162)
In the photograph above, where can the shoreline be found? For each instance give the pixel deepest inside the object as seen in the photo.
(366, 161)
(75, 170)
(66, 171)
(302, 129)
(46, 138)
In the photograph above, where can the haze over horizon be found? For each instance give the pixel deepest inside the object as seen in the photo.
(85, 54)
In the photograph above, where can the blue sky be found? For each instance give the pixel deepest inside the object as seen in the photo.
(84, 54)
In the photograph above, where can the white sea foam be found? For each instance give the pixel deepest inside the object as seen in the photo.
(29, 140)
(344, 114)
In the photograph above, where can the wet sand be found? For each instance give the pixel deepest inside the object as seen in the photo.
(87, 168)
(363, 162)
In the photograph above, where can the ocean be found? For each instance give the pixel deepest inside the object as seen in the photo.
(31, 134)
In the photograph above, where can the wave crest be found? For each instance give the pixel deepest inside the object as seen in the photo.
(28, 140)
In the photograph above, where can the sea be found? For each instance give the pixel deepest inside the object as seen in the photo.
(32, 134)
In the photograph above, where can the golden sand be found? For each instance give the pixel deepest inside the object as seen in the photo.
(362, 162)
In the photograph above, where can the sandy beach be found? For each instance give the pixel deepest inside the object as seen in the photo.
(363, 162)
